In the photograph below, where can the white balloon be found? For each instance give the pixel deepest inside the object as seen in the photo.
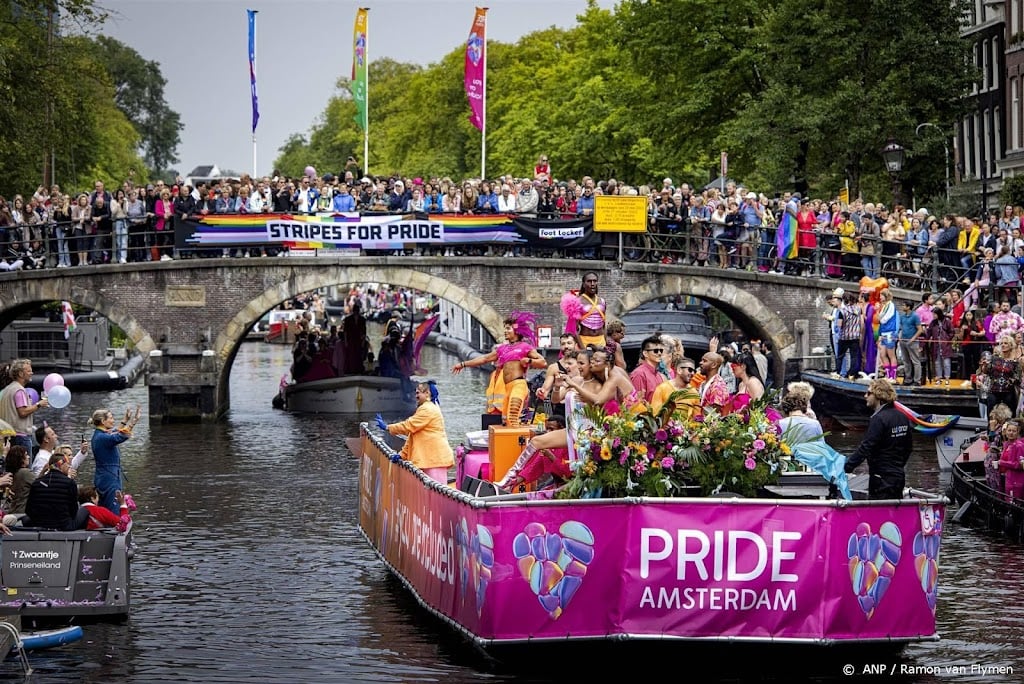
(59, 396)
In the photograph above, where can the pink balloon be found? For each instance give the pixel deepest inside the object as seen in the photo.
(310, 171)
(52, 380)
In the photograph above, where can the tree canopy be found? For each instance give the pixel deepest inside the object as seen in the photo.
(803, 94)
(76, 108)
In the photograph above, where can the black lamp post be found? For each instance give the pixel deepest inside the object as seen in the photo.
(894, 156)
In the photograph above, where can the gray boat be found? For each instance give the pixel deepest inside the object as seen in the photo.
(82, 574)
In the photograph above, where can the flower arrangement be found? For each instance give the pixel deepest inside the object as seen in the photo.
(664, 455)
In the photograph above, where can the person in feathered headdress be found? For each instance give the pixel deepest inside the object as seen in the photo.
(507, 388)
(585, 313)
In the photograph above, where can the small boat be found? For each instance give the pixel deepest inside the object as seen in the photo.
(51, 574)
(356, 395)
(83, 358)
(320, 389)
(49, 638)
(282, 325)
(516, 574)
(981, 506)
(686, 325)
(842, 399)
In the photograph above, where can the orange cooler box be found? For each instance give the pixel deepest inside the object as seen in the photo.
(504, 446)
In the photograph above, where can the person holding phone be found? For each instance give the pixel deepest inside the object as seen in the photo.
(105, 442)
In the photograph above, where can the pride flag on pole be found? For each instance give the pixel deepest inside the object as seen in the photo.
(476, 63)
(252, 67)
(69, 319)
(359, 66)
(786, 242)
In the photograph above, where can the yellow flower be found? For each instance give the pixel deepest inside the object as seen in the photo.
(606, 453)
(784, 448)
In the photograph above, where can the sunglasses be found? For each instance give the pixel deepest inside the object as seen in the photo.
(655, 351)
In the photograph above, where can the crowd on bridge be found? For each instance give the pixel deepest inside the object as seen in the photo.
(722, 226)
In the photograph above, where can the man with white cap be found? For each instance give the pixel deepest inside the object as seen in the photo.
(835, 300)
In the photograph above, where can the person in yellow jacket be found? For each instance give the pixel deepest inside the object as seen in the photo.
(967, 243)
(427, 445)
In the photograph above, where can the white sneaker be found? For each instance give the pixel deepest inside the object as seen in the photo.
(165, 257)
(122, 261)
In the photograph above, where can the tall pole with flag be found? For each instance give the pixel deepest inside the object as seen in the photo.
(476, 80)
(361, 78)
(252, 83)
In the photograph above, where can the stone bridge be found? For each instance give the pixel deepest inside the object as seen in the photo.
(196, 312)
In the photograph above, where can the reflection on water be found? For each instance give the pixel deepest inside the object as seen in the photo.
(250, 567)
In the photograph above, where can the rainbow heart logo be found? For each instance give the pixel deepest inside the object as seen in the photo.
(554, 563)
(926, 553)
(476, 558)
(873, 559)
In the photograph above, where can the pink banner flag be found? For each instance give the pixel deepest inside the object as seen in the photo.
(476, 64)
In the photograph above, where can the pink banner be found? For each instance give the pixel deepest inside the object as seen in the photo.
(476, 63)
(685, 569)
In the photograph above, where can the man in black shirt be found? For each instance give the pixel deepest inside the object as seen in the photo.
(887, 443)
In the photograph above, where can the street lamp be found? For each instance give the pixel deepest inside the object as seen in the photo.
(945, 149)
(894, 155)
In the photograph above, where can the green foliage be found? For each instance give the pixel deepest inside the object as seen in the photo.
(801, 93)
(1013, 192)
(139, 94)
(59, 99)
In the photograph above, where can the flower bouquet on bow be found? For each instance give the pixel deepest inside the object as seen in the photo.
(643, 453)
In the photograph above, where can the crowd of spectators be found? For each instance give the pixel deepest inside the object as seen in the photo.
(727, 226)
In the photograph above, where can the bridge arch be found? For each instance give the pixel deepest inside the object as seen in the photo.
(231, 336)
(41, 291)
(728, 296)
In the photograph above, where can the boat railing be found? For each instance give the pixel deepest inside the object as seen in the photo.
(911, 496)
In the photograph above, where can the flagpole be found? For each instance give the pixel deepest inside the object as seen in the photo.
(252, 82)
(254, 174)
(483, 129)
(366, 109)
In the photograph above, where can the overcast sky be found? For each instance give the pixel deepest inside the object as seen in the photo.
(302, 47)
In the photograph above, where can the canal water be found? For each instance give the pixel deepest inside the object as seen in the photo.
(249, 566)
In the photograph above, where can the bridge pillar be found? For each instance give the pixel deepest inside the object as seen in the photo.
(183, 383)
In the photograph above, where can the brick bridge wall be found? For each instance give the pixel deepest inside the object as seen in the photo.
(184, 307)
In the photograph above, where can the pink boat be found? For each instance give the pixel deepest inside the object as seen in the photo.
(518, 569)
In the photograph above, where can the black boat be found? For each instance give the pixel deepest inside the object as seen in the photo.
(981, 506)
(689, 326)
(843, 399)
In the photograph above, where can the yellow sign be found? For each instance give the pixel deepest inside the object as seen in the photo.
(616, 214)
(844, 196)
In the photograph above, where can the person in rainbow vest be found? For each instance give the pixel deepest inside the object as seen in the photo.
(512, 358)
(585, 313)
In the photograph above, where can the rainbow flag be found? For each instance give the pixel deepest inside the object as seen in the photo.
(69, 319)
(252, 68)
(419, 338)
(476, 66)
(359, 66)
(786, 242)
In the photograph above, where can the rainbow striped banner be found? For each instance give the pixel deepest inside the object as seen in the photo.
(217, 231)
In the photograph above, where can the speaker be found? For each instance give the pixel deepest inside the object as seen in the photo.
(489, 419)
(474, 486)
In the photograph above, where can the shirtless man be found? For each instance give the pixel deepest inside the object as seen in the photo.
(513, 358)
(585, 313)
(566, 343)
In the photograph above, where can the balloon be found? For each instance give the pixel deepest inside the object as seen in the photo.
(59, 396)
(310, 172)
(33, 396)
(52, 380)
